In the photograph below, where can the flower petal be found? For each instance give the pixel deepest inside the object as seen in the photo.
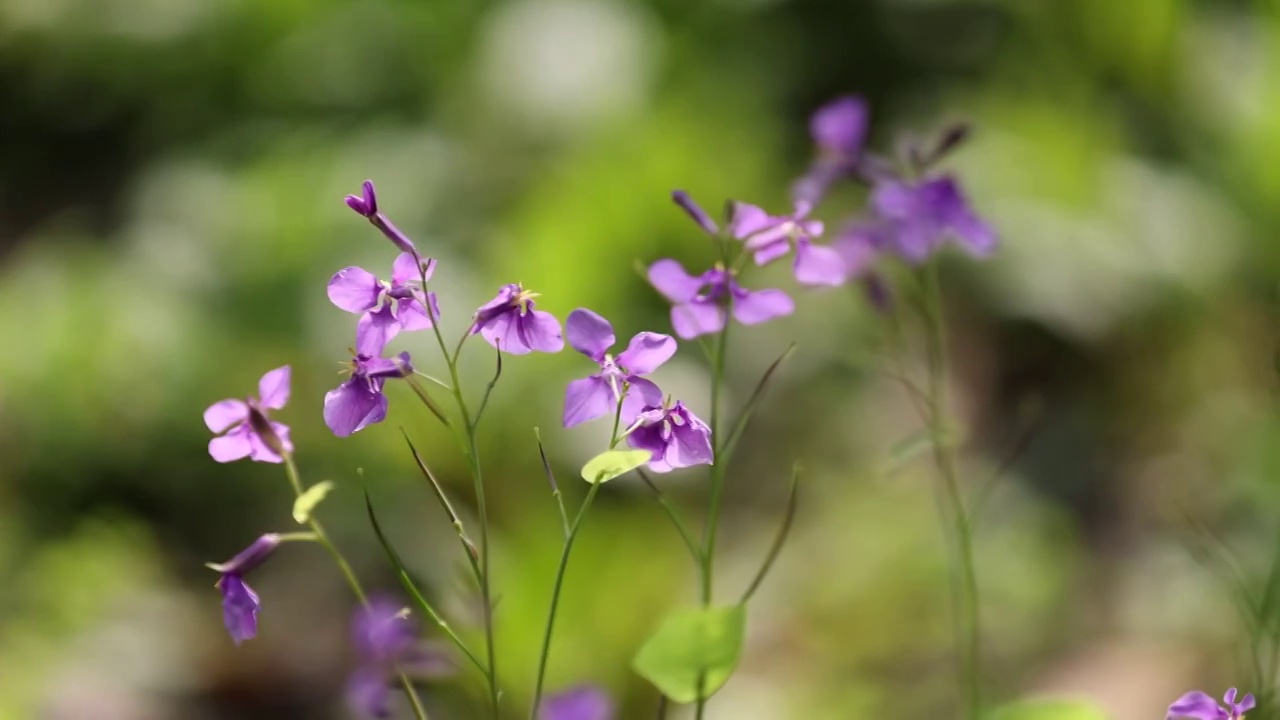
(646, 352)
(405, 269)
(649, 437)
(642, 393)
(239, 608)
(351, 406)
(499, 305)
(1247, 703)
(374, 330)
(691, 443)
(273, 388)
(819, 265)
(541, 331)
(1195, 705)
(354, 289)
(894, 200)
(587, 399)
(857, 247)
(840, 126)
(697, 318)
(367, 693)
(231, 447)
(746, 220)
(413, 316)
(695, 211)
(670, 279)
(589, 333)
(754, 307)
(225, 413)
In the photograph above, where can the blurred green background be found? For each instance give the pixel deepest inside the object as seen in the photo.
(170, 212)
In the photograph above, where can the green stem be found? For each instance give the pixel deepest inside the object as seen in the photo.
(545, 653)
(968, 624)
(717, 483)
(291, 469)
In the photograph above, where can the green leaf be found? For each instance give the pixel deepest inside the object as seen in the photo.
(692, 647)
(612, 463)
(308, 500)
(1048, 709)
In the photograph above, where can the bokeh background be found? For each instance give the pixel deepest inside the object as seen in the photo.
(170, 212)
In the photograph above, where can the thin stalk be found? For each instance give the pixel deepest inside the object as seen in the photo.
(665, 503)
(545, 653)
(291, 469)
(970, 650)
(473, 462)
(717, 485)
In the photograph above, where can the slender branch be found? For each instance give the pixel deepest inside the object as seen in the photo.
(728, 445)
(665, 503)
(484, 401)
(551, 478)
(468, 546)
(717, 489)
(788, 518)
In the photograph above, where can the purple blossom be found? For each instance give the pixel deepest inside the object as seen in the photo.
(839, 130)
(1199, 706)
(581, 703)
(509, 323)
(919, 217)
(239, 602)
(386, 307)
(695, 211)
(366, 204)
(384, 636)
(676, 437)
(858, 243)
(359, 401)
(592, 397)
(699, 302)
(243, 428)
(770, 237)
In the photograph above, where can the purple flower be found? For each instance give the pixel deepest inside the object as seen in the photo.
(239, 601)
(919, 217)
(839, 129)
(858, 244)
(386, 307)
(770, 237)
(366, 204)
(581, 703)
(243, 428)
(676, 437)
(384, 637)
(1200, 706)
(359, 401)
(695, 211)
(509, 323)
(699, 302)
(591, 397)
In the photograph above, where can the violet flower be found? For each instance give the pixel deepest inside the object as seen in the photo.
(859, 244)
(839, 130)
(243, 428)
(239, 602)
(699, 302)
(581, 703)
(1199, 706)
(919, 217)
(366, 204)
(674, 435)
(384, 637)
(770, 237)
(592, 397)
(359, 402)
(386, 307)
(509, 323)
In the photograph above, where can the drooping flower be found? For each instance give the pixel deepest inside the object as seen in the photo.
(839, 130)
(770, 237)
(509, 323)
(592, 397)
(1200, 706)
(384, 636)
(700, 303)
(243, 428)
(239, 602)
(695, 211)
(586, 702)
(386, 306)
(366, 204)
(919, 217)
(359, 401)
(674, 435)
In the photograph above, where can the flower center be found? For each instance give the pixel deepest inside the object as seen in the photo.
(523, 299)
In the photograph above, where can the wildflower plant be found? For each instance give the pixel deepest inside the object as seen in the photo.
(913, 212)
